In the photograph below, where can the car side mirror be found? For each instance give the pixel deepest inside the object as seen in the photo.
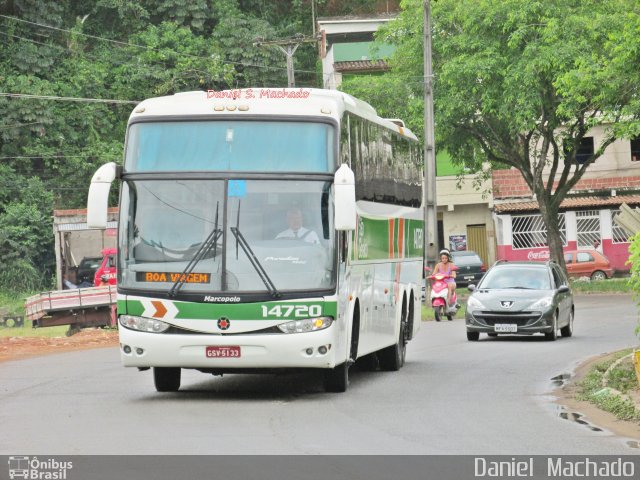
(563, 289)
(471, 288)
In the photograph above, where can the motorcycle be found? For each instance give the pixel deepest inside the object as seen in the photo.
(439, 294)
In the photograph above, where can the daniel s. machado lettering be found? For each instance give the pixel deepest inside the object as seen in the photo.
(555, 467)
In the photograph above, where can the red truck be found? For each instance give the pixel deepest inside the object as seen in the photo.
(79, 307)
(107, 268)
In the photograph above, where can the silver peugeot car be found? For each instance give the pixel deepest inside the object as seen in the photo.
(521, 298)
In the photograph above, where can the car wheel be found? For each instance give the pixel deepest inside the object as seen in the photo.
(567, 330)
(553, 335)
(473, 336)
(598, 275)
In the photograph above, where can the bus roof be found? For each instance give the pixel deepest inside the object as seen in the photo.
(264, 101)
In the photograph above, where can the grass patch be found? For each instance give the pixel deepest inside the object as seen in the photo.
(28, 331)
(427, 311)
(621, 378)
(612, 285)
(13, 304)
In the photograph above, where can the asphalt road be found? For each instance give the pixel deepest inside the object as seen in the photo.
(452, 397)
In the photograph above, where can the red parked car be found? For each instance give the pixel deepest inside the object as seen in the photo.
(588, 263)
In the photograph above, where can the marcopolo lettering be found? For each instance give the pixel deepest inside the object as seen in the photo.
(212, 299)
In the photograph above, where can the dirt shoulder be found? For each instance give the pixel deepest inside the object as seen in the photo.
(566, 396)
(17, 348)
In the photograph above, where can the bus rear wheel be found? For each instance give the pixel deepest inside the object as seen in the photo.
(392, 358)
(166, 379)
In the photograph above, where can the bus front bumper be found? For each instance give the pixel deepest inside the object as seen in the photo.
(259, 351)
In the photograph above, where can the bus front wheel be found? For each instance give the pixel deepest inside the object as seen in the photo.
(337, 379)
(166, 379)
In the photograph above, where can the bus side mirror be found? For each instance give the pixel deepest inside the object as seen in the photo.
(344, 198)
(98, 200)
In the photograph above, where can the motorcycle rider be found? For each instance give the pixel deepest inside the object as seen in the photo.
(446, 267)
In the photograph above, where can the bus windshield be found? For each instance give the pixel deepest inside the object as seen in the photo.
(261, 146)
(234, 233)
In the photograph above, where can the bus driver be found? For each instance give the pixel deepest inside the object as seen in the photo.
(296, 230)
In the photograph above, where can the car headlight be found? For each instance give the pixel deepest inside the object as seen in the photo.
(306, 325)
(143, 324)
(474, 304)
(542, 303)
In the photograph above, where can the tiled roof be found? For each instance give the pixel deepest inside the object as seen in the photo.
(573, 202)
(360, 65)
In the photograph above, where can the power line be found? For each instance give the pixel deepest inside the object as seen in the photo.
(27, 157)
(19, 125)
(83, 53)
(68, 99)
(146, 47)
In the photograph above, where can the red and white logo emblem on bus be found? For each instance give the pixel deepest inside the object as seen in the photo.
(224, 323)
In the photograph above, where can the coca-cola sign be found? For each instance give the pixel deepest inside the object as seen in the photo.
(543, 255)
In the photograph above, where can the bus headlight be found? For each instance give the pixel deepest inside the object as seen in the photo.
(306, 325)
(143, 324)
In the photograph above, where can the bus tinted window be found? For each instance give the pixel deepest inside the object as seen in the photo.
(230, 146)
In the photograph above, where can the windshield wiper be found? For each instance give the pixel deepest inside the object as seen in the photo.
(210, 242)
(240, 240)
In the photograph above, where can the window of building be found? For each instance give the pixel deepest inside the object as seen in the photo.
(635, 149)
(619, 234)
(529, 231)
(585, 150)
(588, 226)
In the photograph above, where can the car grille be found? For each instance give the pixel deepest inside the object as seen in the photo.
(522, 319)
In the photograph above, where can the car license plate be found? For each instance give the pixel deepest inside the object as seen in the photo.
(505, 327)
(223, 352)
(468, 277)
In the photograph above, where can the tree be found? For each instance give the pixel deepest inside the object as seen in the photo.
(520, 83)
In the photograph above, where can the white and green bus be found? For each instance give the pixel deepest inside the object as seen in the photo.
(265, 230)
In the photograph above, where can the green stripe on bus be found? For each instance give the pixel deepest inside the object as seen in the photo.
(372, 239)
(244, 311)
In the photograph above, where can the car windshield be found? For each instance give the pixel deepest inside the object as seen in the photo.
(514, 276)
(466, 260)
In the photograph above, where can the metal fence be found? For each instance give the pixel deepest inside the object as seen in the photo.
(618, 234)
(529, 231)
(588, 228)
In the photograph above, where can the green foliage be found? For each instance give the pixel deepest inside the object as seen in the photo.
(634, 261)
(520, 83)
(113, 49)
(621, 378)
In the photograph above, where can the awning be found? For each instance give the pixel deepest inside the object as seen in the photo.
(569, 203)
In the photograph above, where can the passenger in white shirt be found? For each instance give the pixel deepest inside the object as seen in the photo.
(296, 230)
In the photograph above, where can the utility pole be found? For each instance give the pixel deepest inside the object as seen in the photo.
(288, 46)
(430, 210)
